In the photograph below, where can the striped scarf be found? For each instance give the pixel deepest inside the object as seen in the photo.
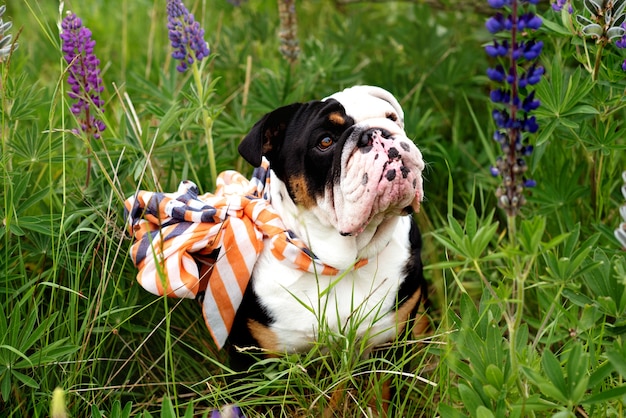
(204, 247)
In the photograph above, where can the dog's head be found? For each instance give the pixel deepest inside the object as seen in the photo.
(345, 158)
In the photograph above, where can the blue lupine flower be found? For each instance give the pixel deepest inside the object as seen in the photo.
(558, 5)
(6, 46)
(228, 411)
(186, 36)
(498, 23)
(621, 44)
(496, 74)
(497, 49)
(83, 74)
(529, 21)
(513, 99)
(496, 4)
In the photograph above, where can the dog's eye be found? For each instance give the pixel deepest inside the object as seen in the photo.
(325, 143)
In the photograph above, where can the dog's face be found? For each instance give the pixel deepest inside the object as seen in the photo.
(346, 158)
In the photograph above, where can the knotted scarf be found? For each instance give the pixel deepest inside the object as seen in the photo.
(204, 247)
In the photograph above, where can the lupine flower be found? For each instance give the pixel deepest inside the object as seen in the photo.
(228, 411)
(605, 22)
(6, 46)
(621, 44)
(620, 232)
(83, 74)
(288, 34)
(558, 5)
(186, 36)
(516, 71)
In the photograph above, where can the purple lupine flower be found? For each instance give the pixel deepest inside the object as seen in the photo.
(514, 100)
(558, 5)
(228, 411)
(83, 74)
(6, 46)
(186, 35)
(621, 44)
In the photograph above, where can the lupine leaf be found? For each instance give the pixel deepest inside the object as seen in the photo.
(470, 399)
(553, 370)
(484, 412)
(606, 395)
(167, 408)
(577, 378)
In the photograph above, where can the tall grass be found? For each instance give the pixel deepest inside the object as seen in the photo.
(74, 317)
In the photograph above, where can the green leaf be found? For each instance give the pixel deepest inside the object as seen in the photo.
(167, 408)
(582, 110)
(471, 220)
(16, 352)
(577, 378)
(551, 391)
(553, 370)
(618, 361)
(189, 412)
(27, 380)
(42, 224)
(599, 374)
(491, 392)
(446, 411)
(470, 398)
(578, 298)
(5, 385)
(483, 412)
(95, 412)
(555, 27)
(494, 375)
(547, 132)
(606, 395)
(531, 232)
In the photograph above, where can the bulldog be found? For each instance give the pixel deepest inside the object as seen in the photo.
(345, 179)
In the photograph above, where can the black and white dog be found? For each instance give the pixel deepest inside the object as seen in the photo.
(345, 179)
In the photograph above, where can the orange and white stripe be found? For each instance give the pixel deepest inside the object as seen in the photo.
(205, 246)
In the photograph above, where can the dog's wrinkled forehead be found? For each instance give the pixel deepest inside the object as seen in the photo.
(370, 102)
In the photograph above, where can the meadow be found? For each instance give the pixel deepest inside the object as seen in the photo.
(527, 280)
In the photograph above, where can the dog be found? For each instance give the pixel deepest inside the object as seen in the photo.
(345, 179)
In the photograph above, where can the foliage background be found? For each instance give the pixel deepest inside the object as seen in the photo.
(74, 317)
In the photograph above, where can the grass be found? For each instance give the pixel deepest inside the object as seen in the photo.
(526, 324)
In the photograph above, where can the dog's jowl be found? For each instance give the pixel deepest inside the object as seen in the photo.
(344, 179)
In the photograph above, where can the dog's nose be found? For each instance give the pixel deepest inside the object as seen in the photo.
(367, 138)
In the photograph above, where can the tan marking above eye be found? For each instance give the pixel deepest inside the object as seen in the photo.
(337, 118)
(392, 116)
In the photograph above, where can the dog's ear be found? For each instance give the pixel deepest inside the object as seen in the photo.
(267, 135)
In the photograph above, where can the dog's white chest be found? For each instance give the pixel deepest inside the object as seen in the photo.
(301, 304)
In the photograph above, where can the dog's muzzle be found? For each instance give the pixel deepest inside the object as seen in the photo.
(381, 176)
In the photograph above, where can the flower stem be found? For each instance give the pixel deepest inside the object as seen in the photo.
(596, 65)
(207, 122)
